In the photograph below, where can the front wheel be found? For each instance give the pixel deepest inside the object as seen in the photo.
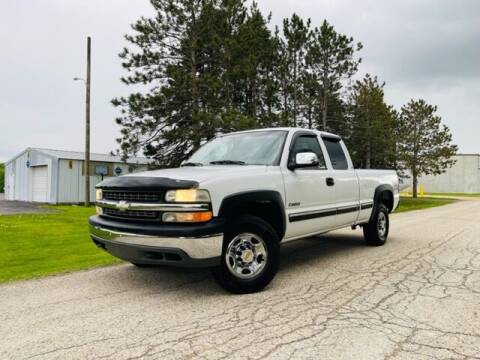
(141, 265)
(250, 256)
(376, 231)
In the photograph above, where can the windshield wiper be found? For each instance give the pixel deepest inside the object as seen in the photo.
(191, 164)
(227, 162)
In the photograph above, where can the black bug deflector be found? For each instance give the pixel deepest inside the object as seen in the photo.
(145, 183)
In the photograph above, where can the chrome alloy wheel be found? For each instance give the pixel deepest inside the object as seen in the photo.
(246, 255)
(382, 225)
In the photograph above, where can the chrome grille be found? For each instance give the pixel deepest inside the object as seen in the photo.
(132, 214)
(133, 196)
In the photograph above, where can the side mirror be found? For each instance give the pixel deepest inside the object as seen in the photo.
(304, 160)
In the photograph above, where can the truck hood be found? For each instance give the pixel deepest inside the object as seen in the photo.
(202, 173)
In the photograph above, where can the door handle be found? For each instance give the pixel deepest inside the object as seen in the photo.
(330, 181)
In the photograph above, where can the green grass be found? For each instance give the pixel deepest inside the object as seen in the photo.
(43, 244)
(409, 204)
(453, 194)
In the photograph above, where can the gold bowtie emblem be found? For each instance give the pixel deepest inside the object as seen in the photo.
(123, 206)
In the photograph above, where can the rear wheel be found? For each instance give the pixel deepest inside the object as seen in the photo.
(250, 256)
(376, 231)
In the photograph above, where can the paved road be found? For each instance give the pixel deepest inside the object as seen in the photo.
(334, 298)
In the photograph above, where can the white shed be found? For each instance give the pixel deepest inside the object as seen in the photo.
(56, 176)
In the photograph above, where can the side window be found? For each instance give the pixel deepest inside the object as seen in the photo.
(335, 151)
(308, 143)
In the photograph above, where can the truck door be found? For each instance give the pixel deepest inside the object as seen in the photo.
(347, 191)
(310, 199)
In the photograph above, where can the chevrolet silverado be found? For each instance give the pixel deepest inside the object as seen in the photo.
(237, 199)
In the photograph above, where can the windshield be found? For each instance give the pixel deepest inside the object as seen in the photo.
(251, 148)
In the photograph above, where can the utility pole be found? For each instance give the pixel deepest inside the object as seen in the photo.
(87, 126)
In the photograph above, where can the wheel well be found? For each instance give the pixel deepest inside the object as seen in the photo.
(265, 210)
(386, 197)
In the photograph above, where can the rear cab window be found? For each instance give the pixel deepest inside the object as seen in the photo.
(336, 153)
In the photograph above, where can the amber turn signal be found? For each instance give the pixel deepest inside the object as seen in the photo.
(200, 216)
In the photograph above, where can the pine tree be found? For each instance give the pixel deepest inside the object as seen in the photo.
(212, 66)
(188, 56)
(296, 33)
(252, 74)
(332, 57)
(282, 76)
(310, 95)
(372, 125)
(165, 120)
(425, 144)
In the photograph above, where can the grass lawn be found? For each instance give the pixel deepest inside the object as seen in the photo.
(43, 244)
(456, 194)
(408, 203)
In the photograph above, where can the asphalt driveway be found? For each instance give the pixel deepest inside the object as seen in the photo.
(19, 207)
(417, 297)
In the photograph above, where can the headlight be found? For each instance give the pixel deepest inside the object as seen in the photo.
(98, 194)
(200, 216)
(187, 195)
(99, 210)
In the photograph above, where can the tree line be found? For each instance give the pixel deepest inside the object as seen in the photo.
(206, 67)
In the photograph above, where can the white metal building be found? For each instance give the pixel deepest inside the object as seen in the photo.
(55, 176)
(462, 177)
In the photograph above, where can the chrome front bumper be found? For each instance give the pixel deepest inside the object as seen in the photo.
(196, 248)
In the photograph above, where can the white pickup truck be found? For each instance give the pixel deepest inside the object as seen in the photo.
(237, 199)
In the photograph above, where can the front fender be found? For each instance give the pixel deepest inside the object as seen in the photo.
(234, 201)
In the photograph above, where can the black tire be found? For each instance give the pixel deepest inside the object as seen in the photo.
(224, 275)
(141, 265)
(372, 231)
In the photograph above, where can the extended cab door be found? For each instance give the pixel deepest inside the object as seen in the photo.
(310, 201)
(347, 188)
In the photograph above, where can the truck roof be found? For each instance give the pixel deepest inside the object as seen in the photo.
(321, 133)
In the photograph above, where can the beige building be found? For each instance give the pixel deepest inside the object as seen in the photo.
(462, 177)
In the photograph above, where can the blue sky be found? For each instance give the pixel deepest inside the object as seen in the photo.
(428, 49)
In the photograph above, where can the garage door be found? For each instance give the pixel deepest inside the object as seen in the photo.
(39, 183)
